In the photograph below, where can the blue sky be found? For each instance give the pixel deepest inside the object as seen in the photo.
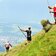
(23, 13)
(17, 11)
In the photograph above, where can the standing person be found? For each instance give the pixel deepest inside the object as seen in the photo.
(7, 46)
(28, 34)
(53, 11)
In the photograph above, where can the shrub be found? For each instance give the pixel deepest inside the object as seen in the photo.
(44, 22)
(46, 25)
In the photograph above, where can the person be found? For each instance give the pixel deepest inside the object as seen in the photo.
(7, 46)
(53, 11)
(28, 34)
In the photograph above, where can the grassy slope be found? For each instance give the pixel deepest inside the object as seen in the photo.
(42, 43)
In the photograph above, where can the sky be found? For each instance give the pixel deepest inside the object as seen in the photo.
(23, 13)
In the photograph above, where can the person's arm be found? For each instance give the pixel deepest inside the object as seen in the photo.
(51, 12)
(23, 30)
(10, 45)
(50, 7)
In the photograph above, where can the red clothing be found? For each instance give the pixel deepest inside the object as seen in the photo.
(54, 9)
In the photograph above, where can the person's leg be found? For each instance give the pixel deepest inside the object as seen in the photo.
(49, 22)
(55, 19)
(26, 42)
(7, 49)
(29, 39)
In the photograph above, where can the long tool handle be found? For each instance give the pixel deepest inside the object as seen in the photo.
(21, 31)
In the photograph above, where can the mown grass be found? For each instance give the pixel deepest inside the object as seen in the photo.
(42, 44)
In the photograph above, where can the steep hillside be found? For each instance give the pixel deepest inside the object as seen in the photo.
(42, 44)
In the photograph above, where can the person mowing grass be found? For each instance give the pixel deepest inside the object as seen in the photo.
(28, 34)
(53, 11)
(7, 46)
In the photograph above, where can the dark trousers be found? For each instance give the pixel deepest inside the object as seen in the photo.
(29, 38)
(7, 49)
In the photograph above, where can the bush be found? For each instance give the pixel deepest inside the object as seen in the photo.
(44, 22)
(46, 25)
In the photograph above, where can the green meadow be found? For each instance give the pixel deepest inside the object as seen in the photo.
(42, 44)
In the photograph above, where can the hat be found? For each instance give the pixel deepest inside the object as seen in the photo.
(29, 28)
